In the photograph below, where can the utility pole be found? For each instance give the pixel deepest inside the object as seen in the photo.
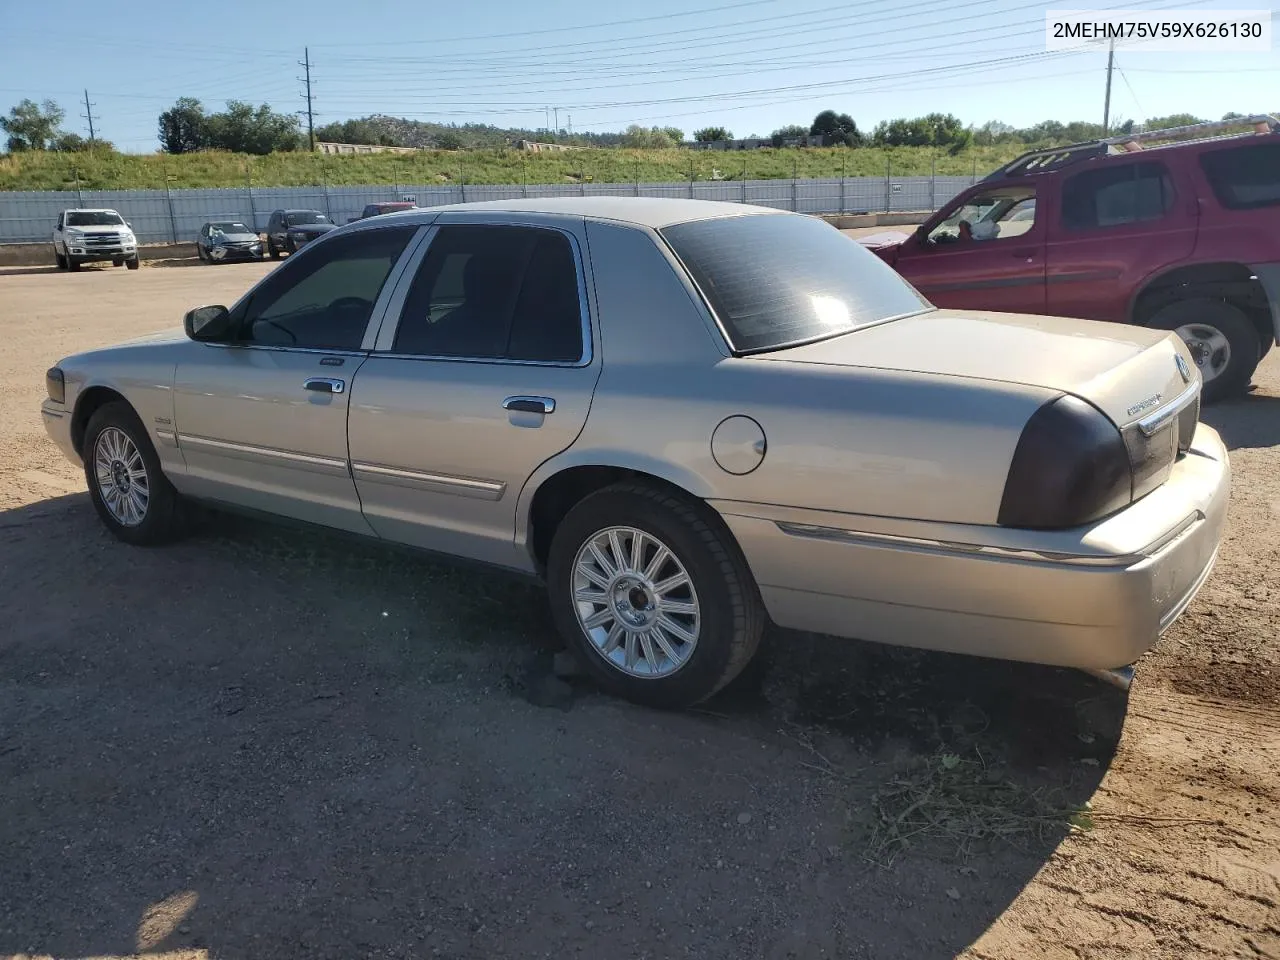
(1106, 107)
(305, 63)
(569, 120)
(556, 111)
(88, 115)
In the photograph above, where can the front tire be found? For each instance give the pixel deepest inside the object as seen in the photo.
(73, 264)
(132, 264)
(133, 497)
(59, 259)
(1222, 340)
(653, 596)
(271, 249)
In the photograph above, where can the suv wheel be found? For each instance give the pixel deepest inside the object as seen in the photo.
(59, 259)
(653, 595)
(1223, 342)
(132, 263)
(271, 249)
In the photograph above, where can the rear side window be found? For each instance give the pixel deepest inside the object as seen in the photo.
(1115, 195)
(777, 280)
(1244, 178)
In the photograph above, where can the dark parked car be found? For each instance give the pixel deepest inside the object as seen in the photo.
(1175, 236)
(289, 230)
(223, 240)
(378, 209)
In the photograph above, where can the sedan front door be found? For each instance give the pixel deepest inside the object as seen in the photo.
(261, 418)
(484, 369)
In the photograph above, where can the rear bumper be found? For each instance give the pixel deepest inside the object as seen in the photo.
(1099, 605)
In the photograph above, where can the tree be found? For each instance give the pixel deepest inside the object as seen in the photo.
(448, 141)
(836, 128)
(648, 138)
(184, 127)
(32, 126)
(242, 128)
(789, 132)
(1173, 120)
(674, 134)
(712, 134)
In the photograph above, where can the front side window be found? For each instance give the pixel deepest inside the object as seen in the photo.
(1115, 195)
(494, 292)
(1245, 178)
(94, 218)
(323, 299)
(778, 280)
(998, 214)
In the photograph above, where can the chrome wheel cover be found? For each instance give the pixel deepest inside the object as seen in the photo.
(635, 602)
(122, 478)
(1209, 347)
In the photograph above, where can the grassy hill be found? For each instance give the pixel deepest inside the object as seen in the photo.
(113, 171)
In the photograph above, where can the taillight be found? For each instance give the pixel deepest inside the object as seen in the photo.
(1070, 467)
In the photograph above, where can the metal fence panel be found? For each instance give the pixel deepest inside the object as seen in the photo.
(160, 216)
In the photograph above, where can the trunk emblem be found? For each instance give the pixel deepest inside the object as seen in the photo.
(1146, 404)
(1182, 367)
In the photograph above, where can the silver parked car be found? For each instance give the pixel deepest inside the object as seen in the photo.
(690, 419)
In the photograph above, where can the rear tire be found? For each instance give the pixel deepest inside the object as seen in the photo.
(719, 606)
(1222, 340)
(133, 497)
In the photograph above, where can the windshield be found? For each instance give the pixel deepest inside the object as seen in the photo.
(229, 226)
(94, 218)
(305, 216)
(776, 280)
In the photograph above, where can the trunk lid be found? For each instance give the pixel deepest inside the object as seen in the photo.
(1127, 372)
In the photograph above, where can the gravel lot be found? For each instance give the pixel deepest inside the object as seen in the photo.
(268, 743)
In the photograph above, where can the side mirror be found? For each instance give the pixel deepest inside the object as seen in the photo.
(207, 324)
(129, 224)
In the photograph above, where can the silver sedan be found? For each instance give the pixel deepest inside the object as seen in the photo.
(690, 419)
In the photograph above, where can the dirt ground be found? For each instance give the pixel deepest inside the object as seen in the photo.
(268, 743)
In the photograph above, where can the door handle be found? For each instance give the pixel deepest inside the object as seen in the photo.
(529, 404)
(324, 384)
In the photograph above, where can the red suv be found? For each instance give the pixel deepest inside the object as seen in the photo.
(1180, 236)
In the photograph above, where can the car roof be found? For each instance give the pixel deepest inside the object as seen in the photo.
(90, 210)
(640, 211)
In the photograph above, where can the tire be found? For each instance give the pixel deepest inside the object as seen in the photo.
(59, 259)
(132, 264)
(271, 249)
(200, 254)
(163, 514)
(73, 264)
(730, 617)
(1222, 339)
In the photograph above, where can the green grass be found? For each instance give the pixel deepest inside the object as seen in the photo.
(103, 171)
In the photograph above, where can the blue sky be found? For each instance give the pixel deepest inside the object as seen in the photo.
(750, 66)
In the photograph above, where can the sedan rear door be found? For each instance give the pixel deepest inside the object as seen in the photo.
(484, 369)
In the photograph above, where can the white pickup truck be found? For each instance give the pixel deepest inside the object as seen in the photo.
(84, 235)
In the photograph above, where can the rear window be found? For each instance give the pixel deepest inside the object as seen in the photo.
(777, 280)
(1246, 177)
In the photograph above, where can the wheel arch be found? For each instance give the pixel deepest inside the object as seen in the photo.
(1226, 280)
(563, 482)
(89, 401)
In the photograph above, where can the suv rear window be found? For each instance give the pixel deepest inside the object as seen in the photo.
(779, 280)
(1246, 177)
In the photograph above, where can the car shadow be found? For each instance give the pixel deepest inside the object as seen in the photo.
(1249, 421)
(262, 741)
